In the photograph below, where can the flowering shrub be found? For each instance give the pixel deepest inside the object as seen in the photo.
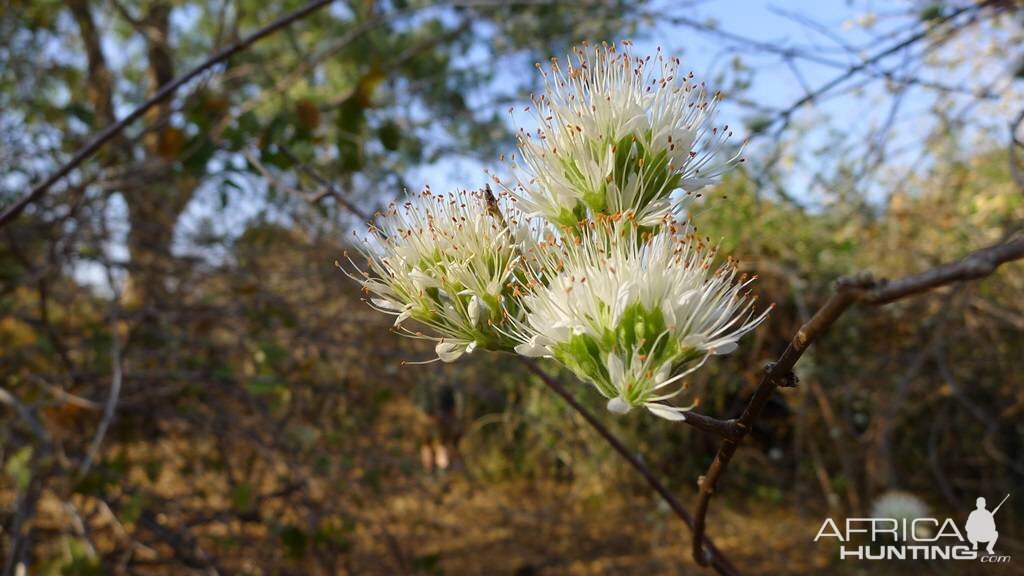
(583, 257)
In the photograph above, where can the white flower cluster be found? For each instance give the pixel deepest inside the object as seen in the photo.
(604, 281)
(443, 260)
(631, 311)
(614, 137)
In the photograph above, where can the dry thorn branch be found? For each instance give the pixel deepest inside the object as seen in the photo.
(859, 289)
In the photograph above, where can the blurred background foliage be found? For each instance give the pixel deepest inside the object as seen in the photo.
(181, 287)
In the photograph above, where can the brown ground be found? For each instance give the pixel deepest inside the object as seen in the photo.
(527, 531)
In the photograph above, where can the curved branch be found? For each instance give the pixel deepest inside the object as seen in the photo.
(859, 289)
(974, 266)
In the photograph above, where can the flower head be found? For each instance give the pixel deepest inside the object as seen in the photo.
(632, 312)
(617, 133)
(609, 286)
(443, 260)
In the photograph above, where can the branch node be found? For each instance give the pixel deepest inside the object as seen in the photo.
(787, 380)
(858, 281)
(741, 429)
(978, 267)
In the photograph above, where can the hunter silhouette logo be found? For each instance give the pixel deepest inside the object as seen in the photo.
(981, 525)
(917, 538)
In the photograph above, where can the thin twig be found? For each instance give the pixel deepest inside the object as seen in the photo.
(849, 291)
(775, 374)
(328, 187)
(976, 265)
(116, 379)
(867, 63)
(716, 558)
(25, 413)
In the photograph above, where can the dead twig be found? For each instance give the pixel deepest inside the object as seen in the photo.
(116, 378)
(715, 557)
(859, 289)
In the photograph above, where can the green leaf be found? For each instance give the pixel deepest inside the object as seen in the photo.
(302, 436)
(350, 124)
(351, 116)
(201, 149)
(153, 468)
(759, 124)
(81, 113)
(429, 563)
(19, 468)
(242, 496)
(931, 12)
(82, 561)
(390, 135)
(132, 509)
(294, 541)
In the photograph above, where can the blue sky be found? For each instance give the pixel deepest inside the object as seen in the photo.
(776, 84)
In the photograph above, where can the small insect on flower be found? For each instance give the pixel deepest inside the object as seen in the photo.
(617, 133)
(631, 311)
(444, 261)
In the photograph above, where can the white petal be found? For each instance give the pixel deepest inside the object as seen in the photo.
(616, 370)
(622, 299)
(422, 281)
(663, 373)
(375, 285)
(666, 412)
(473, 309)
(470, 347)
(533, 349)
(560, 332)
(406, 313)
(686, 297)
(694, 341)
(668, 311)
(494, 288)
(449, 351)
(656, 213)
(618, 406)
(386, 304)
(725, 348)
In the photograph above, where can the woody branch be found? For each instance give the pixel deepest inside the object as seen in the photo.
(859, 289)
